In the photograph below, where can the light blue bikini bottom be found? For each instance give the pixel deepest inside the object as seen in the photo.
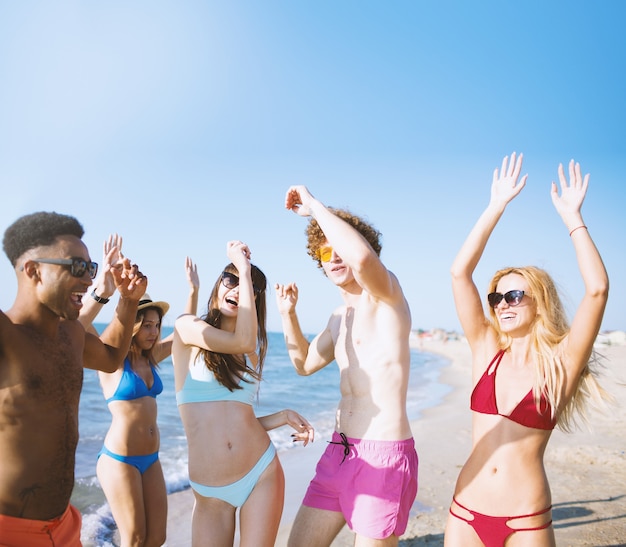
(237, 492)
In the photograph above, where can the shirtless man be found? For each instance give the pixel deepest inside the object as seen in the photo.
(367, 476)
(43, 349)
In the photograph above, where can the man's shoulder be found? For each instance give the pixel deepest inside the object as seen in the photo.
(395, 303)
(338, 314)
(30, 333)
(8, 327)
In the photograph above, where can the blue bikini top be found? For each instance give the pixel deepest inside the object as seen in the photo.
(201, 386)
(132, 386)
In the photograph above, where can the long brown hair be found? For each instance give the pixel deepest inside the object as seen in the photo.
(229, 369)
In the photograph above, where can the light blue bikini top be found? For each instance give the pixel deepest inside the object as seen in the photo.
(201, 386)
(132, 386)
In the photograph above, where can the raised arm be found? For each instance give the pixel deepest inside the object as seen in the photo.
(369, 271)
(588, 317)
(194, 286)
(107, 352)
(304, 430)
(164, 347)
(104, 286)
(504, 187)
(307, 357)
(196, 332)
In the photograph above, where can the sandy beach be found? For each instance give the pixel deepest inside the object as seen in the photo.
(587, 469)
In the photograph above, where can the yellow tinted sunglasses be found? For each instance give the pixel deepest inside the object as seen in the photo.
(325, 253)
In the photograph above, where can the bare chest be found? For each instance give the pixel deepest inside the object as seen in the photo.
(40, 373)
(366, 354)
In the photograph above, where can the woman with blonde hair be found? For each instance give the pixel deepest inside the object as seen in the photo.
(218, 364)
(530, 369)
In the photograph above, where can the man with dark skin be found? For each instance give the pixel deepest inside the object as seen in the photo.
(43, 349)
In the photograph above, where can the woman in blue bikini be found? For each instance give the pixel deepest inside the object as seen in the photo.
(531, 371)
(218, 363)
(128, 466)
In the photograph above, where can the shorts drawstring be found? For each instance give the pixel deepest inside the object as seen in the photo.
(346, 446)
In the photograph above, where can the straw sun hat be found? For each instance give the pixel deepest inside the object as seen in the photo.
(146, 302)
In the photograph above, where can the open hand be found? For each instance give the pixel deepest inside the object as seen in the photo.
(192, 274)
(505, 185)
(111, 259)
(573, 194)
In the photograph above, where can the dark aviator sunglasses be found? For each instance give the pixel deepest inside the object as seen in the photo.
(512, 298)
(230, 281)
(78, 266)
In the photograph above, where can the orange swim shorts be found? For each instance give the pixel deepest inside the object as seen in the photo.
(63, 530)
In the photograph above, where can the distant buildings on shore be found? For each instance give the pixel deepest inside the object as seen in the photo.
(606, 338)
(435, 335)
(612, 338)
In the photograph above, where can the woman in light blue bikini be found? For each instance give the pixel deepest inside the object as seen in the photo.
(128, 465)
(218, 362)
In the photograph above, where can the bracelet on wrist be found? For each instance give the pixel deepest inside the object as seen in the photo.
(577, 228)
(99, 299)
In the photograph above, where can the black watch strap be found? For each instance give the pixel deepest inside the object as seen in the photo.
(98, 299)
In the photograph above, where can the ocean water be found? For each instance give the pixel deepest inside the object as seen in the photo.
(315, 397)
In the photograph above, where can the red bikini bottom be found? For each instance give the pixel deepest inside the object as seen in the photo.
(494, 531)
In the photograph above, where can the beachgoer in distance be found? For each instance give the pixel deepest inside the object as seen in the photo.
(43, 349)
(542, 367)
(128, 467)
(218, 364)
(368, 475)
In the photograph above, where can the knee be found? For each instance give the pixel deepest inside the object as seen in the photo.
(137, 539)
(141, 537)
(155, 540)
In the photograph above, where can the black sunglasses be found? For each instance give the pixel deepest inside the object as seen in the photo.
(512, 298)
(78, 266)
(230, 281)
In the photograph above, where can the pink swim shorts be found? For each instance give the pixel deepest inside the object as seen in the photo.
(372, 483)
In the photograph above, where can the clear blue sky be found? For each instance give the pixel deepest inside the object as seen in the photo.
(181, 124)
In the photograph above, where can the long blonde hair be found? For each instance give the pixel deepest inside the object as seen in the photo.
(547, 332)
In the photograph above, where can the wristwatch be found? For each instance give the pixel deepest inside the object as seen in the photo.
(99, 299)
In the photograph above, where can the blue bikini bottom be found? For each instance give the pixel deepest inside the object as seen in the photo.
(142, 463)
